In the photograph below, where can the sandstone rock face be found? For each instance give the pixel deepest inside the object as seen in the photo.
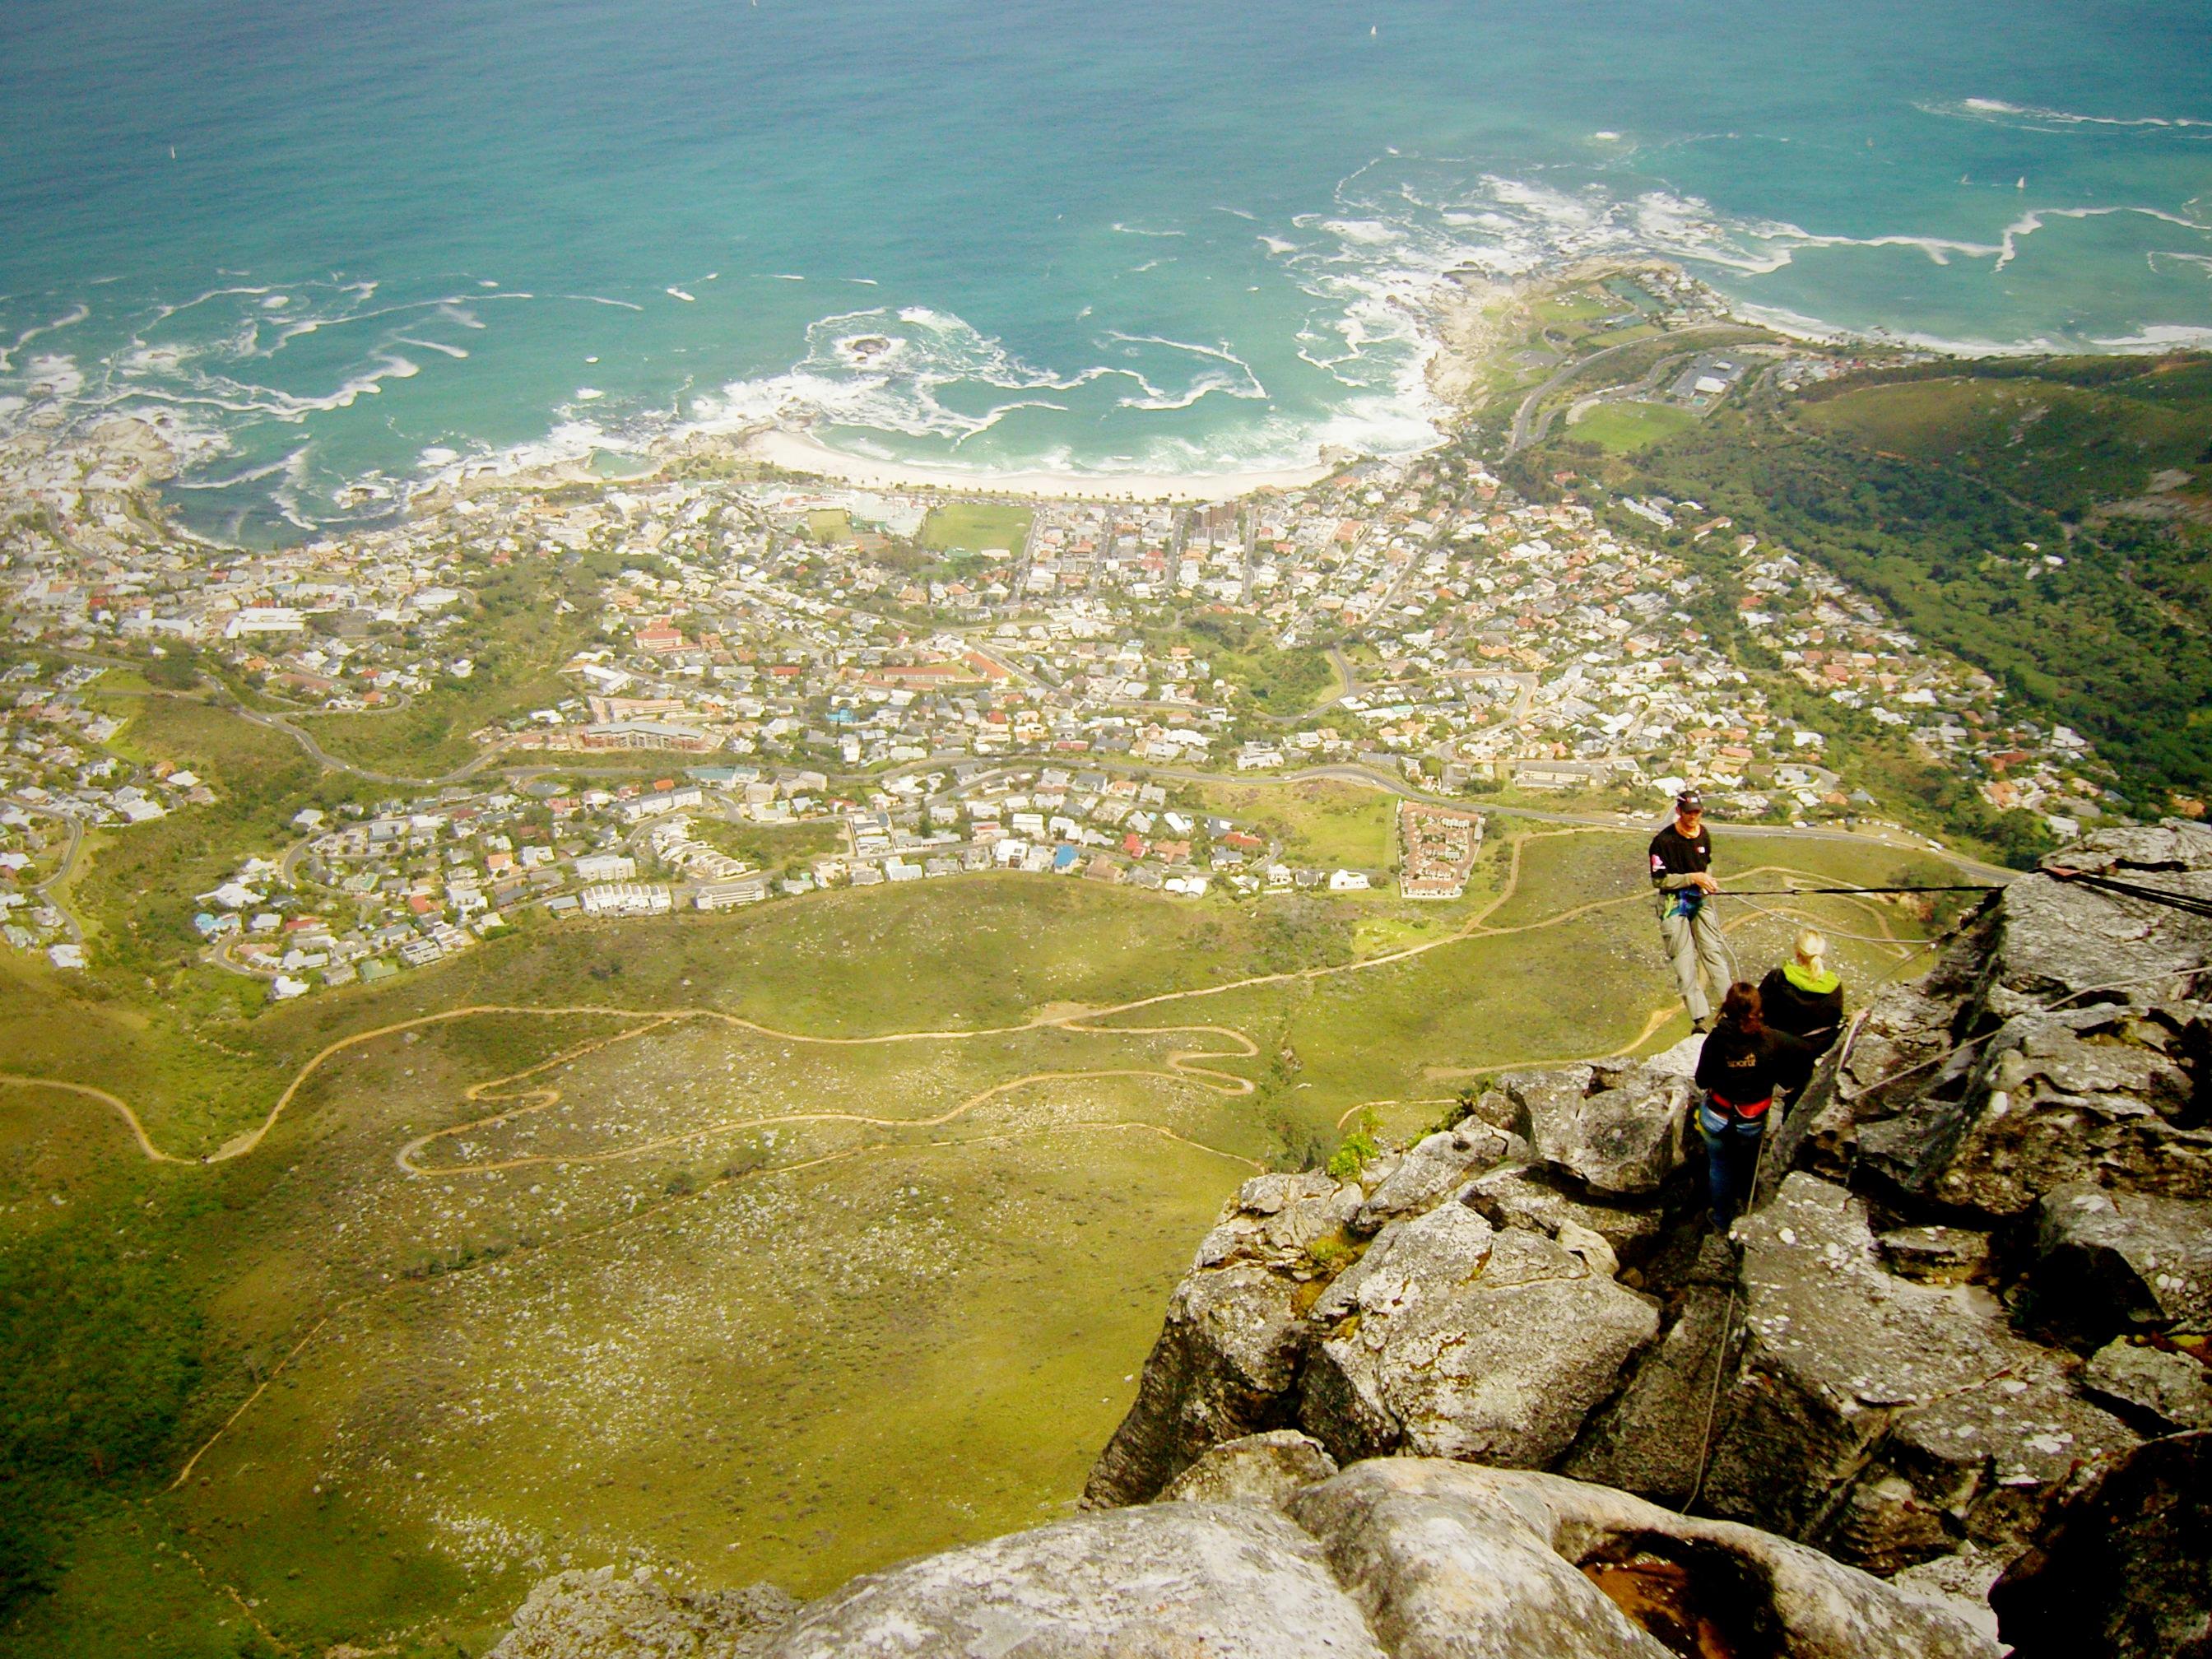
(1452, 1339)
(597, 1616)
(1449, 1560)
(1395, 1311)
(2122, 1567)
(1222, 1368)
(2062, 1039)
(1260, 1469)
(1164, 1580)
(1884, 1420)
(2108, 1261)
(1229, 1355)
(1936, 1254)
(1394, 1559)
(1621, 1141)
(1520, 1196)
(2167, 1390)
(2008, 1167)
(1648, 1438)
(1432, 1169)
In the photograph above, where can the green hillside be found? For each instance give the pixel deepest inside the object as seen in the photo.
(693, 1241)
(2050, 521)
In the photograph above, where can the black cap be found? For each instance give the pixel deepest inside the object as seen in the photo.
(1689, 801)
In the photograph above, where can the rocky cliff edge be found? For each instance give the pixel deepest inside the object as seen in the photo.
(1454, 1405)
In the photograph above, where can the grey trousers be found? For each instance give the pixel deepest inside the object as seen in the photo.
(1694, 943)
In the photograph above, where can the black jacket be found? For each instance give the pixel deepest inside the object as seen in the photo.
(1817, 1017)
(1744, 1071)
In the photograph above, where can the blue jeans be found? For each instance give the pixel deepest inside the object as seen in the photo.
(1731, 1159)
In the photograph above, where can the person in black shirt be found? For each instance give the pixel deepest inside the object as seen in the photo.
(1802, 998)
(1742, 1065)
(1681, 860)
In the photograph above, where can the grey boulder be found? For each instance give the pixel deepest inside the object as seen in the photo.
(2169, 1390)
(2121, 1568)
(1164, 1580)
(1451, 1339)
(1883, 1420)
(1431, 1170)
(1451, 1562)
(1258, 1468)
(2108, 1261)
(599, 1614)
(1622, 1141)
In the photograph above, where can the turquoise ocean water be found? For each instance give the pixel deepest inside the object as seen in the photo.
(339, 248)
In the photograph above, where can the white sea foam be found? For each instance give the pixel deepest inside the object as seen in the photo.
(292, 466)
(1999, 110)
(75, 314)
(2163, 336)
(1371, 263)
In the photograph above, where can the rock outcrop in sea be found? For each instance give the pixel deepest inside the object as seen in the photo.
(1458, 1404)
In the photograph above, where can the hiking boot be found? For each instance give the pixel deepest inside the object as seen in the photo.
(1703, 1025)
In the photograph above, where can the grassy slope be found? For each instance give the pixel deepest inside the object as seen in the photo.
(744, 1372)
(518, 639)
(1318, 824)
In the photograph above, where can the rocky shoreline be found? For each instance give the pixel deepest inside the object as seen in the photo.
(1457, 1405)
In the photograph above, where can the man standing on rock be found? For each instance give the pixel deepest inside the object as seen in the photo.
(1681, 861)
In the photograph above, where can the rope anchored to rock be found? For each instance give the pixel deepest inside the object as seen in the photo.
(2195, 904)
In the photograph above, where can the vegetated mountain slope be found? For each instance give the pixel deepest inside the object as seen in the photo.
(1946, 490)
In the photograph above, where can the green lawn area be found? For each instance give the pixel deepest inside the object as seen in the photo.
(1566, 309)
(770, 846)
(1623, 427)
(976, 527)
(830, 524)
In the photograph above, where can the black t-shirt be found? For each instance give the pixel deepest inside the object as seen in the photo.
(1674, 853)
(1744, 1069)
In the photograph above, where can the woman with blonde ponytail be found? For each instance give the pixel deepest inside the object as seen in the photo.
(1804, 997)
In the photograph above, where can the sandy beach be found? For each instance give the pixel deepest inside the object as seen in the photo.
(796, 452)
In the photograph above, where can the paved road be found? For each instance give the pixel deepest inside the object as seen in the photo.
(44, 888)
(324, 757)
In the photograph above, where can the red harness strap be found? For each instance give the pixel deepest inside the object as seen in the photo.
(1728, 1108)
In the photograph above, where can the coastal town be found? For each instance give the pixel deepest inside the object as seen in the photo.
(758, 686)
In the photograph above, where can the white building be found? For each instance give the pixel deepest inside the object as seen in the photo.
(626, 899)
